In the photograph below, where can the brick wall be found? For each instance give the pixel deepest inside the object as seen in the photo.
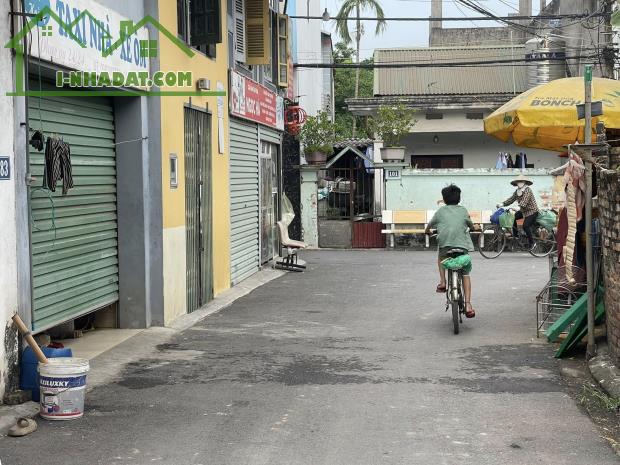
(609, 205)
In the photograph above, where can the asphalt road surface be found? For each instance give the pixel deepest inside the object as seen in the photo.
(353, 362)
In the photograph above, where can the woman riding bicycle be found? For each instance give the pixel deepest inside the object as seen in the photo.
(524, 196)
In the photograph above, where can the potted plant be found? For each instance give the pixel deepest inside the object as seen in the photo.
(317, 137)
(390, 125)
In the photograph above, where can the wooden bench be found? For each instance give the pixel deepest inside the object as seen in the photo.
(416, 221)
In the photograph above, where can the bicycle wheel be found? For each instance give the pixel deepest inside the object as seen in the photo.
(491, 242)
(455, 316)
(544, 242)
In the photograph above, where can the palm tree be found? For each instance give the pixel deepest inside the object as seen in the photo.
(342, 27)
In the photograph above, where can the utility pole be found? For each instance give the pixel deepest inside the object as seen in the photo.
(591, 348)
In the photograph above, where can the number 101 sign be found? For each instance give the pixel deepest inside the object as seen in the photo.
(392, 174)
(5, 168)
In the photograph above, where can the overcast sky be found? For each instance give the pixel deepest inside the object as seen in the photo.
(415, 34)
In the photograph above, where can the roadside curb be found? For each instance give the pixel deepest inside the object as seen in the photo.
(109, 365)
(226, 298)
(606, 374)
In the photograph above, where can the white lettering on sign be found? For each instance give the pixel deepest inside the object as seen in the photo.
(54, 383)
(251, 100)
(5, 168)
(392, 174)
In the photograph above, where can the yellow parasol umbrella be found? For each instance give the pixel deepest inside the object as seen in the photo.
(545, 116)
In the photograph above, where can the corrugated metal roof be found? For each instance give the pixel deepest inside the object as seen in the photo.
(458, 80)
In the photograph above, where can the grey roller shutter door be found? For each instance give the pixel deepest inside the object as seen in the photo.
(75, 257)
(270, 135)
(244, 206)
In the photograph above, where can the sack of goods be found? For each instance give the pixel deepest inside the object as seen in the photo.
(507, 220)
(462, 262)
(495, 216)
(547, 219)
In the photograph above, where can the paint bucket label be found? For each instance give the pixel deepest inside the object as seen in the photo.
(62, 397)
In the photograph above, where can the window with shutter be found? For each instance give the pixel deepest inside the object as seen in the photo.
(239, 19)
(205, 22)
(283, 50)
(258, 43)
(182, 20)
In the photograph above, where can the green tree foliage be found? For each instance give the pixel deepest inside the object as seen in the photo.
(344, 84)
(352, 9)
(317, 134)
(392, 123)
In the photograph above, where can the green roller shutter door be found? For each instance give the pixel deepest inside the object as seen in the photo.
(244, 208)
(74, 240)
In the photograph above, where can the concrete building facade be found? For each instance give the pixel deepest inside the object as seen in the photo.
(96, 247)
(8, 192)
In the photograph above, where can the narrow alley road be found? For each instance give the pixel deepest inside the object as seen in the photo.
(351, 363)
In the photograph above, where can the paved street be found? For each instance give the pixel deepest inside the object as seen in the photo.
(353, 362)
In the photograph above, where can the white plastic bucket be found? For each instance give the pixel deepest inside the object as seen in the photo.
(63, 383)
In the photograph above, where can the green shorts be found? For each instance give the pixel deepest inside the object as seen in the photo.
(443, 254)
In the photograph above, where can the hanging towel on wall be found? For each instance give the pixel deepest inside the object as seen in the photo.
(57, 165)
(575, 175)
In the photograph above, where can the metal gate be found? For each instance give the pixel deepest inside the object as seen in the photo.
(73, 244)
(269, 200)
(346, 207)
(198, 208)
(244, 200)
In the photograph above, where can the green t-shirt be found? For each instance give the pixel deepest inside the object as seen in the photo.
(453, 224)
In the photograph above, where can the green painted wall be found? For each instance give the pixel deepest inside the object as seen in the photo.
(481, 189)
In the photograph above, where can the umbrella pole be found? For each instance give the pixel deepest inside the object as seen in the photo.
(591, 348)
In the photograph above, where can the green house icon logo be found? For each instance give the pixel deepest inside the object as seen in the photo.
(49, 24)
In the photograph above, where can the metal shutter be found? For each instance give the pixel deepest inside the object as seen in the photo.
(244, 208)
(271, 135)
(75, 264)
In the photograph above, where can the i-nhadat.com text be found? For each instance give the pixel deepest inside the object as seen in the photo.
(128, 79)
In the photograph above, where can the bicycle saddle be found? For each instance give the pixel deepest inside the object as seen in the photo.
(453, 253)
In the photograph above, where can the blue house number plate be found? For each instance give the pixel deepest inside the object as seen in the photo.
(5, 168)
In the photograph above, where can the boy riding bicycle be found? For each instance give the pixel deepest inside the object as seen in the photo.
(453, 224)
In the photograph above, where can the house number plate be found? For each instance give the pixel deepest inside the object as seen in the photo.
(392, 174)
(5, 168)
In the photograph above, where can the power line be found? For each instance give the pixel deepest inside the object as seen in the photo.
(460, 18)
(466, 64)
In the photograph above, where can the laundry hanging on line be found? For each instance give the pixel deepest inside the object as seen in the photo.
(57, 165)
(521, 160)
(501, 163)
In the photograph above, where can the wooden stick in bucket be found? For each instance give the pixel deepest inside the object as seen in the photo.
(23, 329)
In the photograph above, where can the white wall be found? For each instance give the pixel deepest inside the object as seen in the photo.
(8, 245)
(478, 149)
(452, 121)
(309, 82)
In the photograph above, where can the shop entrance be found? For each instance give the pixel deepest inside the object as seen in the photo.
(74, 240)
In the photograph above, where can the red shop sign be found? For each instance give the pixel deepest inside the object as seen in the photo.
(250, 100)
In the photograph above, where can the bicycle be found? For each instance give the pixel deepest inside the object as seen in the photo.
(494, 238)
(455, 295)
